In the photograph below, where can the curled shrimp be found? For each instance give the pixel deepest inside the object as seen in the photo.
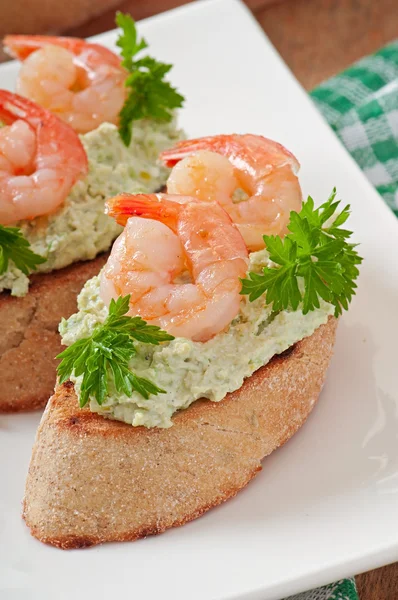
(252, 177)
(81, 83)
(180, 261)
(40, 159)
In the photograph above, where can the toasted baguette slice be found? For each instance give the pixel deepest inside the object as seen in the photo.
(93, 480)
(30, 341)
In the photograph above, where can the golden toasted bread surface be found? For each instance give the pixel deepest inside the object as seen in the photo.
(92, 480)
(30, 341)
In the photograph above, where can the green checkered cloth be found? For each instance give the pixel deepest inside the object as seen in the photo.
(361, 106)
(341, 590)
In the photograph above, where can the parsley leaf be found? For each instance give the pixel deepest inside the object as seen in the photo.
(105, 355)
(13, 246)
(150, 96)
(317, 251)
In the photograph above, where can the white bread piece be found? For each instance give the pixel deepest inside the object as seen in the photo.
(92, 480)
(29, 339)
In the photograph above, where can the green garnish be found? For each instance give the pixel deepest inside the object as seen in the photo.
(150, 95)
(315, 251)
(13, 246)
(105, 355)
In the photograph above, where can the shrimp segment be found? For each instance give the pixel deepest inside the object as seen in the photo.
(252, 177)
(82, 83)
(180, 261)
(40, 160)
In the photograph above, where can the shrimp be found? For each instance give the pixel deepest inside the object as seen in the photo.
(252, 177)
(179, 261)
(40, 159)
(81, 83)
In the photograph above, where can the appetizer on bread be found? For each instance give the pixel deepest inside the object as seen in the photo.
(201, 346)
(85, 125)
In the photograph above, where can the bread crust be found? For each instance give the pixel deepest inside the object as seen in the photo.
(92, 480)
(30, 341)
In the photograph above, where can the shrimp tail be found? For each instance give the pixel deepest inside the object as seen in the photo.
(21, 46)
(184, 148)
(13, 107)
(239, 149)
(150, 206)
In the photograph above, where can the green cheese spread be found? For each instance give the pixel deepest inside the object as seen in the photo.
(190, 370)
(79, 229)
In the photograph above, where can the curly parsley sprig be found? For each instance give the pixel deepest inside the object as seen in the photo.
(13, 246)
(317, 251)
(104, 356)
(150, 96)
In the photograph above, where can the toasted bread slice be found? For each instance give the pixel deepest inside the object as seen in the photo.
(30, 341)
(93, 480)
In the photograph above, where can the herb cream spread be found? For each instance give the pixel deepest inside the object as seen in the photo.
(79, 229)
(190, 370)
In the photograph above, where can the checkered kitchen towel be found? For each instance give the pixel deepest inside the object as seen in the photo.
(341, 590)
(361, 106)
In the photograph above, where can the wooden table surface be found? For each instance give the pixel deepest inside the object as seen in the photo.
(316, 38)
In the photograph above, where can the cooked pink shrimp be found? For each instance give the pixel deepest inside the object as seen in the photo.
(252, 177)
(40, 159)
(169, 239)
(80, 82)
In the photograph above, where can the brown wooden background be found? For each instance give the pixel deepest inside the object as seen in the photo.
(317, 38)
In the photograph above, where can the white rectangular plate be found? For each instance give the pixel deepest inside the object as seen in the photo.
(325, 505)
